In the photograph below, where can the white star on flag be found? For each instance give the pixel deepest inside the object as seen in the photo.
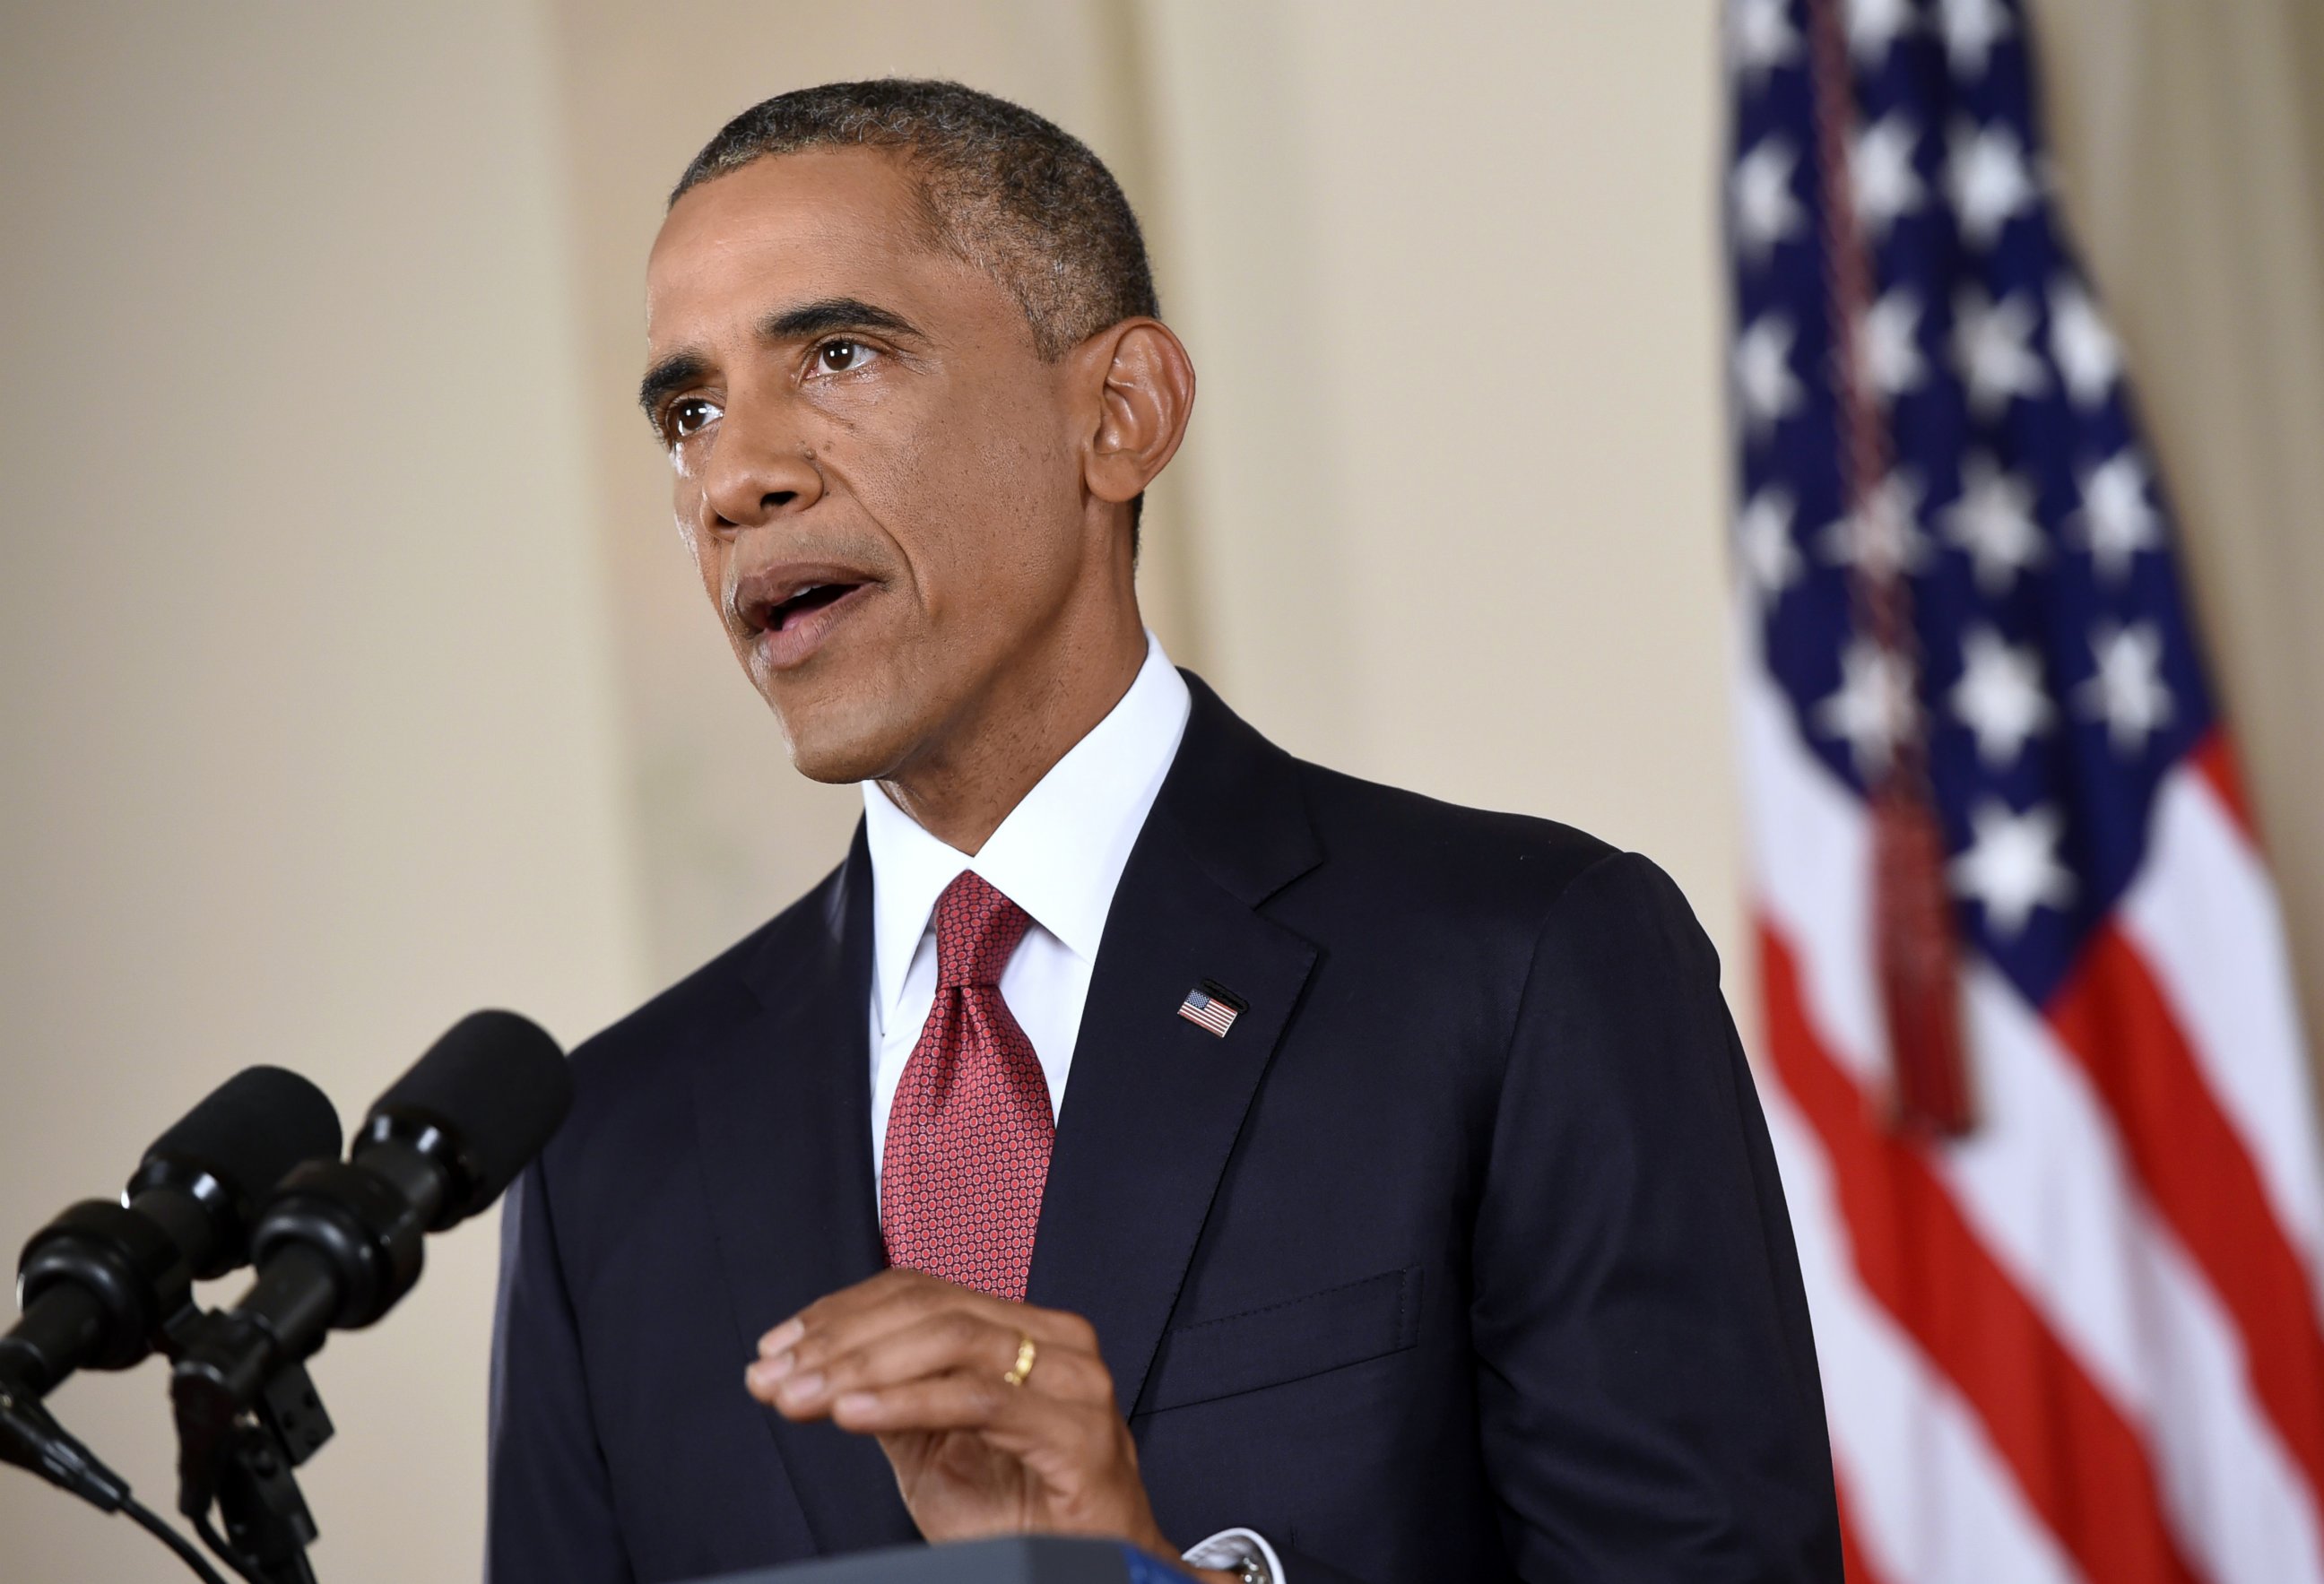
(1878, 539)
(1873, 707)
(2088, 357)
(1994, 522)
(2127, 692)
(1759, 39)
(1765, 386)
(1887, 349)
(1763, 542)
(1971, 28)
(1759, 195)
(1987, 176)
(2012, 867)
(1991, 345)
(1875, 25)
(2000, 696)
(1882, 182)
(2116, 519)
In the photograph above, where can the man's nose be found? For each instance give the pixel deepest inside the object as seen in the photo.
(762, 467)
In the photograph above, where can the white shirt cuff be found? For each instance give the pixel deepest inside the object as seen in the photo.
(1231, 1548)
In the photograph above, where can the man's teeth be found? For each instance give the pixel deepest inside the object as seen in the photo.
(814, 596)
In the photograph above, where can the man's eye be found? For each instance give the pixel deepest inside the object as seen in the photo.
(690, 415)
(843, 356)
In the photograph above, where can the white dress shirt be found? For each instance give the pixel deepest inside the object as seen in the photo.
(1059, 855)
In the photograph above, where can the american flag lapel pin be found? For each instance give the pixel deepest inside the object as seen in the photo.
(1212, 1005)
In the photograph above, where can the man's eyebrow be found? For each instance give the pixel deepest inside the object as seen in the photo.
(819, 318)
(674, 373)
(827, 314)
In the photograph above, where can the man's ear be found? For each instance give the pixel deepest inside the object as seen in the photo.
(1145, 389)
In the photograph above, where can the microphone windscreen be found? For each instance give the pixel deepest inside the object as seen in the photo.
(496, 1087)
(249, 1132)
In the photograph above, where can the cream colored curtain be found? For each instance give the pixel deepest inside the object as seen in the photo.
(2191, 156)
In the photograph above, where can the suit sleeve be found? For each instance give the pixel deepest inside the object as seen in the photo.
(550, 1514)
(1646, 1382)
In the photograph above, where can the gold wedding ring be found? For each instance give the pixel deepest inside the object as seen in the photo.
(1026, 1353)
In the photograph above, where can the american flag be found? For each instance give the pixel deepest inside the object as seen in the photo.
(2032, 1058)
(1208, 1007)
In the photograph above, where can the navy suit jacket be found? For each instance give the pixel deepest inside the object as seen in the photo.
(1461, 1257)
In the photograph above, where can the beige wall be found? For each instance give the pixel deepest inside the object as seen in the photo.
(1456, 494)
(303, 667)
(354, 676)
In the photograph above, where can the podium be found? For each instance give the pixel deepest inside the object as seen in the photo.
(1039, 1559)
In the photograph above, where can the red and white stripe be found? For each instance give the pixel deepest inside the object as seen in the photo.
(2083, 1342)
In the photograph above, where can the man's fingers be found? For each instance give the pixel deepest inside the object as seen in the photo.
(923, 1365)
(935, 1343)
(897, 1301)
(1015, 1421)
(947, 1342)
(876, 1303)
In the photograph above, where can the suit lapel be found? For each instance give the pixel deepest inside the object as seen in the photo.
(1154, 1102)
(784, 1111)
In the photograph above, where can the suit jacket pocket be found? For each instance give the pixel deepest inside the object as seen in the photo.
(1286, 1341)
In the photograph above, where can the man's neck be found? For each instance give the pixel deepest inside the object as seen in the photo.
(961, 792)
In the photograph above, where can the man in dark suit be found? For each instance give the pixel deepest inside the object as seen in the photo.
(1142, 1132)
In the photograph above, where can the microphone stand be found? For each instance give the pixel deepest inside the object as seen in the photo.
(241, 1462)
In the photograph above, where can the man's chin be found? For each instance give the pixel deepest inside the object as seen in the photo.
(840, 746)
(835, 769)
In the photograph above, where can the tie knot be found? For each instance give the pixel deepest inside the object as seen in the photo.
(977, 929)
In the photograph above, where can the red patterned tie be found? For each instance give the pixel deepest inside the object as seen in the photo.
(968, 1133)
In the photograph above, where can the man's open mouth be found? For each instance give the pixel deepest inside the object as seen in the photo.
(788, 611)
(813, 597)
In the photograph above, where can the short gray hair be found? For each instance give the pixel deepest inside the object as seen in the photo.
(1005, 190)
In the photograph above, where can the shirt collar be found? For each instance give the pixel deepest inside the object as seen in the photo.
(1059, 854)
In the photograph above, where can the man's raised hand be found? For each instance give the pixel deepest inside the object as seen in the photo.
(925, 1367)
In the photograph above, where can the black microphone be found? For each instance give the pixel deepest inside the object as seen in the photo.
(103, 1284)
(337, 1244)
(98, 1283)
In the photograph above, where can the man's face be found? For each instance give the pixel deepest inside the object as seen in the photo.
(878, 476)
